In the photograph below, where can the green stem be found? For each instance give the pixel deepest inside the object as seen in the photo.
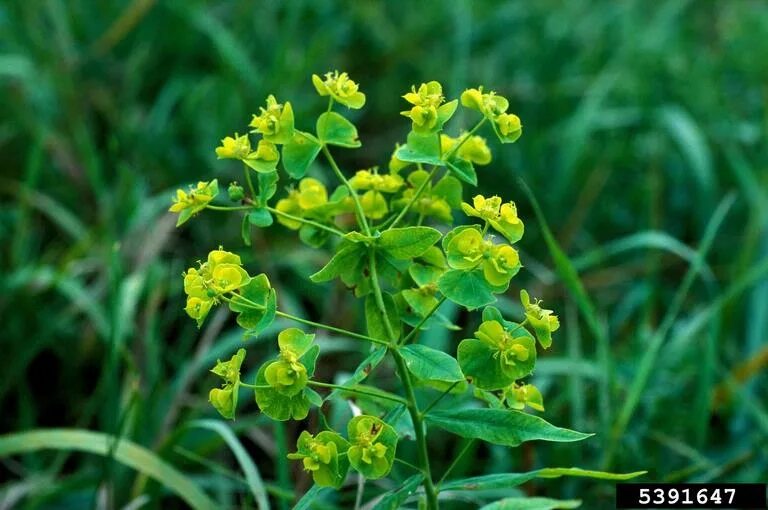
(229, 208)
(243, 300)
(439, 398)
(466, 137)
(359, 391)
(414, 198)
(248, 180)
(405, 377)
(255, 386)
(418, 427)
(358, 206)
(305, 221)
(418, 326)
(455, 461)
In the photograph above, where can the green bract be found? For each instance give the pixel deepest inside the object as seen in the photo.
(341, 88)
(224, 399)
(324, 456)
(390, 238)
(542, 321)
(372, 446)
(496, 357)
(275, 122)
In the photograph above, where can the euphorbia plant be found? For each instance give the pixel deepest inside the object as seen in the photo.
(404, 258)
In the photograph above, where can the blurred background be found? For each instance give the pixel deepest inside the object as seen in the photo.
(644, 141)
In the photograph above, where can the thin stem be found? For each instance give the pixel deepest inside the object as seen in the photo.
(405, 463)
(255, 386)
(359, 391)
(418, 427)
(414, 198)
(229, 208)
(439, 398)
(418, 326)
(305, 221)
(248, 180)
(466, 137)
(455, 462)
(405, 377)
(245, 301)
(358, 206)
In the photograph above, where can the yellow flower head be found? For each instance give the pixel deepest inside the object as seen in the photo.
(341, 88)
(542, 320)
(274, 122)
(509, 126)
(489, 104)
(189, 203)
(238, 147)
(502, 217)
(426, 101)
(475, 150)
(311, 194)
(368, 180)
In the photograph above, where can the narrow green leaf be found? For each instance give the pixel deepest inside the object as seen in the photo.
(124, 451)
(532, 504)
(362, 370)
(464, 170)
(500, 426)
(314, 493)
(394, 499)
(252, 476)
(333, 129)
(346, 257)
(299, 153)
(429, 364)
(408, 242)
(509, 480)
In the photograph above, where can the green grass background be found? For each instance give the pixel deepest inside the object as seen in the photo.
(644, 142)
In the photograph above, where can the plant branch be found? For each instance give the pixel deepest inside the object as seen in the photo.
(418, 326)
(358, 206)
(466, 137)
(414, 198)
(438, 399)
(359, 391)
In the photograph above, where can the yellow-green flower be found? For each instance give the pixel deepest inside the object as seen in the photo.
(287, 375)
(428, 112)
(237, 147)
(488, 103)
(311, 194)
(374, 204)
(264, 159)
(341, 88)
(468, 250)
(320, 455)
(396, 164)
(474, 149)
(275, 122)
(502, 217)
(509, 127)
(518, 396)
(541, 320)
(497, 357)
(188, 203)
(368, 180)
(224, 399)
(373, 445)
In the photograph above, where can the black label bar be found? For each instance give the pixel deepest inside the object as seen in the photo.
(692, 495)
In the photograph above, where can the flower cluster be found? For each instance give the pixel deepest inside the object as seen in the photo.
(373, 202)
(494, 108)
(341, 88)
(188, 203)
(220, 274)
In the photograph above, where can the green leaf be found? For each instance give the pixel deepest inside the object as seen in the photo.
(503, 427)
(261, 166)
(252, 319)
(445, 112)
(267, 187)
(419, 302)
(408, 242)
(430, 364)
(260, 218)
(509, 480)
(311, 496)
(313, 236)
(278, 406)
(251, 472)
(374, 319)
(245, 232)
(122, 450)
(362, 370)
(532, 504)
(449, 189)
(467, 288)
(463, 170)
(348, 256)
(421, 149)
(394, 499)
(333, 129)
(299, 153)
